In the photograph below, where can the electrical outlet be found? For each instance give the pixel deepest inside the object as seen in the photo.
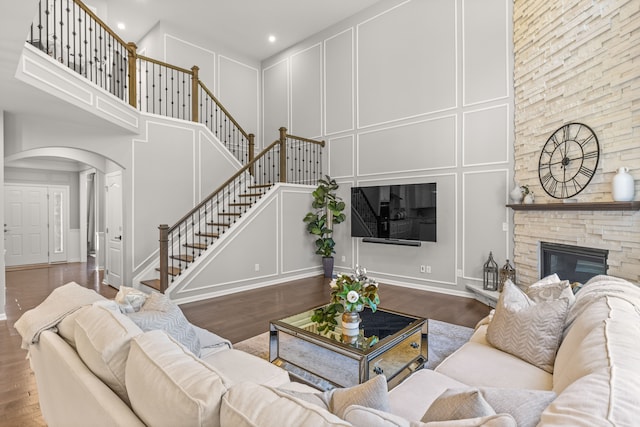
(459, 272)
(344, 258)
(428, 269)
(423, 268)
(257, 267)
(505, 226)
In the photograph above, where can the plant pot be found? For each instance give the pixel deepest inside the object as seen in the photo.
(327, 265)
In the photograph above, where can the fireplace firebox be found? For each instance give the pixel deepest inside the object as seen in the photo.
(573, 263)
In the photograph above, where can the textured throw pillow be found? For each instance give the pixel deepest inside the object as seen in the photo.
(458, 404)
(159, 312)
(528, 330)
(551, 291)
(371, 394)
(525, 406)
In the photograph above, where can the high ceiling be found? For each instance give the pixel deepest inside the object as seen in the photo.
(242, 26)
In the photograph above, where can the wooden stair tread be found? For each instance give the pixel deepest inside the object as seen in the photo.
(153, 283)
(260, 186)
(250, 195)
(219, 224)
(173, 271)
(208, 234)
(229, 213)
(183, 257)
(240, 204)
(196, 245)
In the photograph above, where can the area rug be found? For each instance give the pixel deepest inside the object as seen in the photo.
(444, 339)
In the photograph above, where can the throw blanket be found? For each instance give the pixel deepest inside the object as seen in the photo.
(60, 303)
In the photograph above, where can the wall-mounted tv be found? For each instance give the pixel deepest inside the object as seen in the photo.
(394, 213)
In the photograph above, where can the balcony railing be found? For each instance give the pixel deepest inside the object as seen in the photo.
(69, 32)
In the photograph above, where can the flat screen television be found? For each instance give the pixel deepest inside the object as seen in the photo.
(394, 213)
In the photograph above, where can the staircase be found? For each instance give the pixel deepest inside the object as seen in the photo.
(71, 34)
(207, 234)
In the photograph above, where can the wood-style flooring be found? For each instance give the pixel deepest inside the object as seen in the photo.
(236, 317)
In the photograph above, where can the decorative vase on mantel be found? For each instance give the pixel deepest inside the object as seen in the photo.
(350, 326)
(622, 186)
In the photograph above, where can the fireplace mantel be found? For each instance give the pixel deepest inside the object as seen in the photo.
(577, 206)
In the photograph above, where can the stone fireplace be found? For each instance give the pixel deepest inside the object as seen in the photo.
(572, 263)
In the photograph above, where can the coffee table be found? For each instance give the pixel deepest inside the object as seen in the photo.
(324, 361)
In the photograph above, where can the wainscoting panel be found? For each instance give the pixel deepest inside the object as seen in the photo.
(486, 61)
(485, 136)
(306, 92)
(338, 75)
(484, 214)
(341, 156)
(389, 78)
(275, 100)
(239, 92)
(166, 148)
(185, 54)
(419, 146)
(401, 264)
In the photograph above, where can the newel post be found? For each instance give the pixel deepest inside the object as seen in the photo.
(133, 84)
(252, 152)
(164, 257)
(194, 93)
(283, 154)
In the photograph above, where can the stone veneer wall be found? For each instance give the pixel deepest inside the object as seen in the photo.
(578, 61)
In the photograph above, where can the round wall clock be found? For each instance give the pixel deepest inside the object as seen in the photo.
(568, 160)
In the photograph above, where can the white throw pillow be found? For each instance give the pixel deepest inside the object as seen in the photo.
(551, 291)
(159, 312)
(528, 330)
(169, 386)
(102, 340)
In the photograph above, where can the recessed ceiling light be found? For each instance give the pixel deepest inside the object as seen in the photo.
(121, 25)
(272, 39)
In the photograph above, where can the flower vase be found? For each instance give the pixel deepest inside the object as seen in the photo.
(350, 326)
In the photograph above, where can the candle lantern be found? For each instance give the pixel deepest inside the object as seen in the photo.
(490, 274)
(506, 272)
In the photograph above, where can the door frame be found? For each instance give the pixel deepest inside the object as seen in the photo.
(49, 232)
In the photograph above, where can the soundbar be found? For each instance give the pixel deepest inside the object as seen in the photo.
(391, 241)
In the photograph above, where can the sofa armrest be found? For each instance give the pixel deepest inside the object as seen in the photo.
(69, 393)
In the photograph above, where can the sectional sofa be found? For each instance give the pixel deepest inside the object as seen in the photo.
(544, 357)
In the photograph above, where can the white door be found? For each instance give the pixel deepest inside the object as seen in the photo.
(113, 230)
(26, 235)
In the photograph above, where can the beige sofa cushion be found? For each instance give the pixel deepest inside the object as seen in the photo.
(469, 365)
(169, 386)
(531, 331)
(236, 366)
(250, 404)
(102, 339)
(366, 417)
(597, 376)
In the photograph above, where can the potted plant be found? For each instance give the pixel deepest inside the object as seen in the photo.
(328, 212)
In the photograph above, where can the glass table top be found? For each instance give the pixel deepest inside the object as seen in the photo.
(381, 324)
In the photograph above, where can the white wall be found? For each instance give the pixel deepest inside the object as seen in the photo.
(407, 92)
(3, 315)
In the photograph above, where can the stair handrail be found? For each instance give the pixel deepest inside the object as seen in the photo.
(247, 170)
(111, 63)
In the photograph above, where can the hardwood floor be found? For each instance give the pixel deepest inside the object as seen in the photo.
(235, 317)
